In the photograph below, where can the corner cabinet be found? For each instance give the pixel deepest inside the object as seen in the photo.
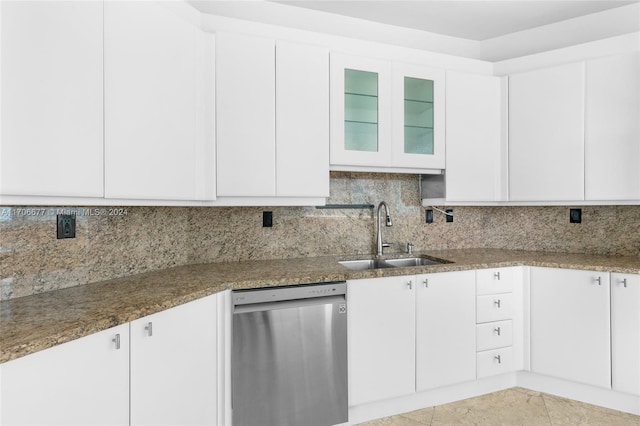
(570, 325)
(546, 134)
(386, 116)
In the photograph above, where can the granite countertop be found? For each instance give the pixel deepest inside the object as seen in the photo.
(33, 323)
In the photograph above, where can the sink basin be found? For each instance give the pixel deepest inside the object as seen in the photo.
(412, 261)
(403, 262)
(362, 265)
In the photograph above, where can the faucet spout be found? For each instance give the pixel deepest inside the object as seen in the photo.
(380, 244)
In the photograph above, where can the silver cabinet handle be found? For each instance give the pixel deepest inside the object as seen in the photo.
(410, 284)
(149, 328)
(116, 340)
(426, 282)
(497, 303)
(497, 275)
(624, 282)
(598, 280)
(498, 358)
(497, 330)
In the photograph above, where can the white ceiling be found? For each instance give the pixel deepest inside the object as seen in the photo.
(474, 20)
(489, 30)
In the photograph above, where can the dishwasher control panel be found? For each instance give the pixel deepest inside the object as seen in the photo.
(293, 292)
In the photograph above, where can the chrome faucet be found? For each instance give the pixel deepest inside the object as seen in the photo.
(387, 223)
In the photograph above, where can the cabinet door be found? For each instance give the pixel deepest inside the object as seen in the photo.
(173, 366)
(245, 110)
(82, 382)
(546, 134)
(418, 116)
(302, 120)
(625, 333)
(51, 95)
(153, 149)
(612, 138)
(570, 334)
(473, 137)
(382, 326)
(445, 329)
(360, 111)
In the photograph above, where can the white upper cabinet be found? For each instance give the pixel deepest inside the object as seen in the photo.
(418, 111)
(51, 98)
(546, 134)
(159, 137)
(360, 111)
(245, 108)
(612, 137)
(302, 120)
(473, 171)
(273, 118)
(386, 116)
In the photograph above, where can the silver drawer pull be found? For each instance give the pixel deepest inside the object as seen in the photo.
(497, 276)
(624, 282)
(497, 330)
(410, 284)
(497, 303)
(149, 328)
(498, 358)
(426, 282)
(116, 340)
(598, 280)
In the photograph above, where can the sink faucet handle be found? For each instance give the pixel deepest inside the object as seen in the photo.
(410, 248)
(386, 244)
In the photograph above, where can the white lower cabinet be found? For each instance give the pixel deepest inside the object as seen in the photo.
(382, 338)
(410, 333)
(82, 382)
(625, 333)
(570, 325)
(173, 366)
(445, 329)
(496, 309)
(157, 370)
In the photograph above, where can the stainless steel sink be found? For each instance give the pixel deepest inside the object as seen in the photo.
(362, 265)
(403, 262)
(412, 261)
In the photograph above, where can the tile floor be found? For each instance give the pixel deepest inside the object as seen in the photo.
(516, 406)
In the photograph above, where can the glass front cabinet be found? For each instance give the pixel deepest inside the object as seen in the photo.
(385, 115)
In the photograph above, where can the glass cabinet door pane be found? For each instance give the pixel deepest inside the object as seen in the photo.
(418, 116)
(360, 110)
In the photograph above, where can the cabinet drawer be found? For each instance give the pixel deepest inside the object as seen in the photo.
(495, 307)
(494, 281)
(494, 362)
(494, 335)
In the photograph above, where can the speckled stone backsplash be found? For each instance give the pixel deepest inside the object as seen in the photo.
(139, 239)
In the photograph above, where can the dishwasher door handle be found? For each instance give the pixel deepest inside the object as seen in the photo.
(284, 304)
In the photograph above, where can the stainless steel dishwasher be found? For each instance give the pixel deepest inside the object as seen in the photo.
(289, 364)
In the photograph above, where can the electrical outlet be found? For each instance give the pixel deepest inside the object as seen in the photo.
(429, 216)
(449, 215)
(267, 219)
(66, 227)
(575, 215)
